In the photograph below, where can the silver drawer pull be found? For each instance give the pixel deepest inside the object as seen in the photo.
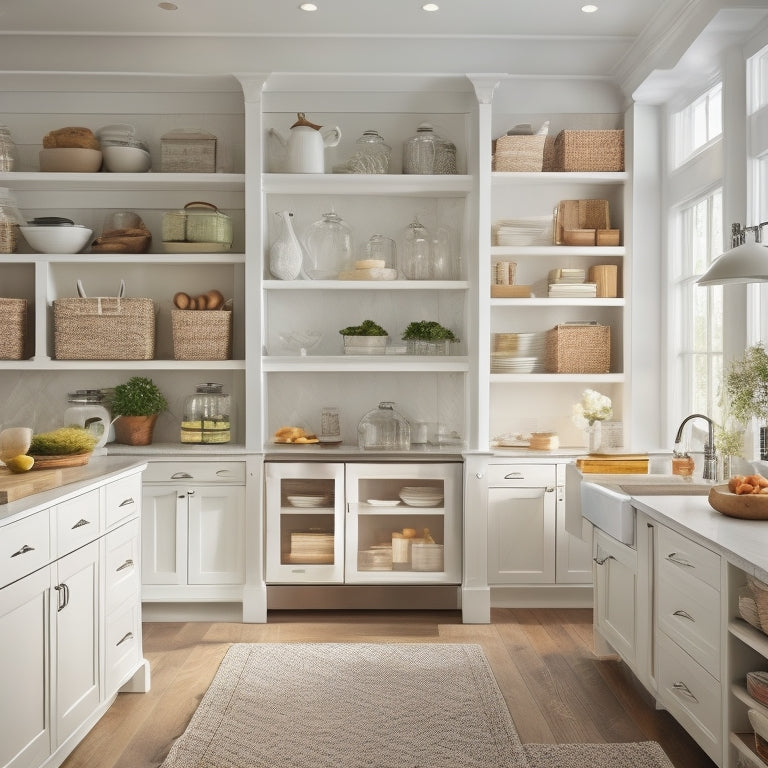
(604, 560)
(674, 558)
(514, 476)
(23, 551)
(126, 502)
(181, 476)
(63, 591)
(684, 615)
(127, 564)
(224, 473)
(126, 636)
(80, 523)
(681, 687)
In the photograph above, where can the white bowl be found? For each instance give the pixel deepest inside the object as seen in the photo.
(57, 239)
(119, 159)
(70, 160)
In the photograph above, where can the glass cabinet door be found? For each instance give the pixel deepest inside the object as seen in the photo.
(305, 523)
(403, 523)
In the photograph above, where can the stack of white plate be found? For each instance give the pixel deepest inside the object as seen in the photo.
(421, 496)
(518, 352)
(427, 557)
(501, 364)
(533, 231)
(308, 501)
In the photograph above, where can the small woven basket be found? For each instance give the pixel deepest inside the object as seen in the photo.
(13, 328)
(578, 349)
(201, 334)
(589, 150)
(519, 153)
(105, 328)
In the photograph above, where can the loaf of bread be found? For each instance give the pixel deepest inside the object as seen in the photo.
(72, 137)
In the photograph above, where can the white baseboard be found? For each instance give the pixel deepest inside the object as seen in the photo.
(542, 596)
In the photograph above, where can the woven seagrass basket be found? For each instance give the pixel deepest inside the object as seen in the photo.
(13, 328)
(578, 349)
(519, 153)
(105, 328)
(589, 151)
(201, 334)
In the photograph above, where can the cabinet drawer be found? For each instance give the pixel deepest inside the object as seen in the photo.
(122, 652)
(77, 522)
(123, 499)
(691, 695)
(525, 475)
(195, 472)
(25, 547)
(122, 582)
(680, 555)
(689, 612)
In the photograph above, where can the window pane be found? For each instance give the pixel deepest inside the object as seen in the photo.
(715, 103)
(700, 122)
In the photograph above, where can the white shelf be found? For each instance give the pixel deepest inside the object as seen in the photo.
(365, 285)
(559, 251)
(366, 363)
(750, 636)
(162, 182)
(122, 365)
(547, 302)
(379, 185)
(123, 258)
(556, 378)
(503, 178)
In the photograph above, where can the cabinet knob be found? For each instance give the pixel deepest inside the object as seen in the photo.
(126, 636)
(603, 560)
(126, 502)
(479, 475)
(127, 564)
(181, 476)
(23, 551)
(80, 523)
(684, 615)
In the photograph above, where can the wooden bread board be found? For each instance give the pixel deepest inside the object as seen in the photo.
(510, 291)
(17, 486)
(615, 464)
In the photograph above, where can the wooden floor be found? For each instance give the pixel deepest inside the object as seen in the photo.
(557, 691)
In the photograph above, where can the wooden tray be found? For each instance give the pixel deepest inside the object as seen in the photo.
(57, 461)
(17, 486)
(748, 506)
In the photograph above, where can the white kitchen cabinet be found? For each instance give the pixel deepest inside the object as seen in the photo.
(193, 525)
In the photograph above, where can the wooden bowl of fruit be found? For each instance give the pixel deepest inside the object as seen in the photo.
(745, 497)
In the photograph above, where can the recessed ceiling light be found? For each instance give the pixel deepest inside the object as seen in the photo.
(430, 7)
(589, 8)
(168, 6)
(308, 7)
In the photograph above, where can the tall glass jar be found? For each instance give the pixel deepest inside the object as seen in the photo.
(372, 155)
(419, 151)
(206, 415)
(384, 429)
(444, 259)
(416, 259)
(10, 219)
(328, 247)
(86, 409)
(9, 157)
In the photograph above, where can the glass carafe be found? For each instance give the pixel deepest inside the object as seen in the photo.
(371, 154)
(384, 429)
(328, 247)
(416, 261)
(206, 415)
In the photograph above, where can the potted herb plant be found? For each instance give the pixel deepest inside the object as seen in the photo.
(746, 386)
(137, 403)
(367, 338)
(427, 337)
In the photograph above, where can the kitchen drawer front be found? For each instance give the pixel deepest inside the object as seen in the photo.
(522, 475)
(77, 522)
(25, 546)
(122, 578)
(184, 472)
(123, 499)
(689, 612)
(680, 555)
(123, 646)
(691, 695)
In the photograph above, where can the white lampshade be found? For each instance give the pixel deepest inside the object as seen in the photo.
(746, 263)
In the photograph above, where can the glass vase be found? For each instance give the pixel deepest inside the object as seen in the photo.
(593, 437)
(285, 255)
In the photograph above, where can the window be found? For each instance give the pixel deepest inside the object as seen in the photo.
(697, 311)
(697, 124)
(758, 81)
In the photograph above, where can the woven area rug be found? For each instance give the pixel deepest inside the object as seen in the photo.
(638, 754)
(351, 705)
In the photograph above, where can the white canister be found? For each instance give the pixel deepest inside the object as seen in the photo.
(87, 411)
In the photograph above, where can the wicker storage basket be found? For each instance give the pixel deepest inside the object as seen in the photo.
(201, 334)
(188, 152)
(589, 151)
(519, 153)
(105, 328)
(13, 328)
(578, 349)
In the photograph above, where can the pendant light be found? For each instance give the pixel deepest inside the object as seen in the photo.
(743, 263)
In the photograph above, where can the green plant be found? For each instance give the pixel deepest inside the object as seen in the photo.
(139, 396)
(746, 385)
(428, 330)
(62, 441)
(366, 328)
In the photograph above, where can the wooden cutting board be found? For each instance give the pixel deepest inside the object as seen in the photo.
(622, 464)
(17, 486)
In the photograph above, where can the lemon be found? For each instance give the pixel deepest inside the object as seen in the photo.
(21, 463)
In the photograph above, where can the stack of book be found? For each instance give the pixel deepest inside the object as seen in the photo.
(568, 283)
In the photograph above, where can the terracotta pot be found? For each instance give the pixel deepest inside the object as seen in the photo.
(135, 430)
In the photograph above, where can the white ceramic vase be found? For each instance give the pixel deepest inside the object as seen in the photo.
(594, 437)
(285, 255)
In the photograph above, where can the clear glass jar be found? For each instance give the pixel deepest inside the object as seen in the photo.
(87, 410)
(445, 157)
(381, 248)
(328, 247)
(444, 259)
(384, 429)
(10, 219)
(419, 151)
(206, 415)
(372, 155)
(9, 156)
(416, 260)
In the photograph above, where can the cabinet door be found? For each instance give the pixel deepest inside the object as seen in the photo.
(574, 554)
(216, 546)
(76, 639)
(615, 595)
(163, 535)
(521, 535)
(25, 729)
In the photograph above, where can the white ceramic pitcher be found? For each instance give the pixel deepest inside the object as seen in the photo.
(306, 145)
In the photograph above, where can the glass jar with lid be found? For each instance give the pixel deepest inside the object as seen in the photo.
(206, 415)
(419, 150)
(86, 409)
(328, 248)
(10, 220)
(416, 253)
(372, 155)
(384, 429)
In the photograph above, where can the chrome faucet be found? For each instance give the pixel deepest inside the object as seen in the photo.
(710, 453)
